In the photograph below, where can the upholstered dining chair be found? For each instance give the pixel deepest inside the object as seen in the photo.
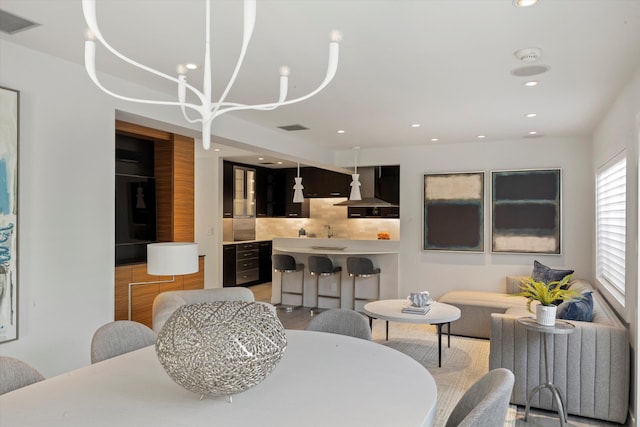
(167, 302)
(485, 404)
(341, 321)
(14, 374)
(121, 336)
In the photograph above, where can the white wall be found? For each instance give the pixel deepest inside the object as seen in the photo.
(65, 221)
(620, 129)
(439, 272)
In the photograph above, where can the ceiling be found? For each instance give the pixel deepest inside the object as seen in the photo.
(444, 64)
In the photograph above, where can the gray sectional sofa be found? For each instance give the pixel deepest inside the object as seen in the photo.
(590, 366)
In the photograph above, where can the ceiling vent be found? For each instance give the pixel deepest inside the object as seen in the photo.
(11, 24)
(293, 127)
(531, 54)
(530, 70)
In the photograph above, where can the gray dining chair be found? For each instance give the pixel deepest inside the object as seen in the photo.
(322, 266)
(485, 404)
(14, 374)
(121, 336)
(167, 302)
(341, 321)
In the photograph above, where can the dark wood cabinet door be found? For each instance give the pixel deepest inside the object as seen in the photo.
(229, 265)
(227, 190)
(265, 261)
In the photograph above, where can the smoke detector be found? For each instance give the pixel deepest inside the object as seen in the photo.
(531, 54)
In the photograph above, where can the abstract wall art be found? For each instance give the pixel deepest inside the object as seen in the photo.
(453, 215)
(525, 211)
(9, 107)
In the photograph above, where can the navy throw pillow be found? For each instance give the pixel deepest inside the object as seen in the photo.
(579, 309)
(542, 273)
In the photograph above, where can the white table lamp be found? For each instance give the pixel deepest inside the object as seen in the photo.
(169, 259)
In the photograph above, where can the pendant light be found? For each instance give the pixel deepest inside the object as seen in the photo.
(355, 184)
(298, 197)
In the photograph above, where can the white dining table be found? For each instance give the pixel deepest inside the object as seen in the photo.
(322, 380)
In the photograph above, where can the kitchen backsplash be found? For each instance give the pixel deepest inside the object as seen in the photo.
(324, 213)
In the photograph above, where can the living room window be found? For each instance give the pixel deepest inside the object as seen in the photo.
(611, 185)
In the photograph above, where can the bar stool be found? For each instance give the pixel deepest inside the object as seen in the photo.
(287, 264)
(320, 266)
(359, 267)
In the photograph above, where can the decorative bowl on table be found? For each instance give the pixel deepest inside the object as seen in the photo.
(221, 348)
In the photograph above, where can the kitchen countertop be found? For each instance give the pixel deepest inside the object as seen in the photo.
(336, 246)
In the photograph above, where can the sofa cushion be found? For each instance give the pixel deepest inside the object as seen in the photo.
(542, 273)
(579, 309)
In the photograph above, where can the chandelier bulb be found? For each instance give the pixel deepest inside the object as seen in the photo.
(181, 69)
(336, 36)
(285, 71)
(89, 36)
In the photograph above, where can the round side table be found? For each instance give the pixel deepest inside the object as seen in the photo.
(560, 327)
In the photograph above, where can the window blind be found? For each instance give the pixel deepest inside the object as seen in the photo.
(611, 224)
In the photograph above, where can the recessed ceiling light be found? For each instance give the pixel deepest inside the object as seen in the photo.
(530, 115)
(341, 131)
(524, 3)
(191, 66)
(435, 139)
(415, 125)
(531, 83)
(279, 163)
(260, 158)
(216, 149)
(533, 132)
(481, 136)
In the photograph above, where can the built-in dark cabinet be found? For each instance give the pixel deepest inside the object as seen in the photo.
(294, 210)
(264, 193)
(229, 265)
(321, 183)
(265, 267)
(227, 190)
(246, 263)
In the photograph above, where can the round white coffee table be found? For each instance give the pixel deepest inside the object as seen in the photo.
(390, 310)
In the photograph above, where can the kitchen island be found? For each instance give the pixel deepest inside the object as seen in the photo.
(383, 253)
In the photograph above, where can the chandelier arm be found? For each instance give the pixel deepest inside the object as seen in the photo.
(89, 59)
(249, 24)
(331, 72)
(89, 10)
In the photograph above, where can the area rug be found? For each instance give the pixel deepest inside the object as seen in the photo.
(462, 364)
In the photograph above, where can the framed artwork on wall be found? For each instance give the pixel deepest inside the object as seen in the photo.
(9, 116)
(453, 214)
(525, 211)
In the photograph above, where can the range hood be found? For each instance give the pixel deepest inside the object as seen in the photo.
(367, 191)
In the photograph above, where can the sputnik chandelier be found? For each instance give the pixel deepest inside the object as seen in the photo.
(207, 109)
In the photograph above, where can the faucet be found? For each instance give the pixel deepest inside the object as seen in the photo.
(329, 232)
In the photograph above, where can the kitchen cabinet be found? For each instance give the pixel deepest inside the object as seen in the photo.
(244, 192)
(321, 183)
(246, 263)
(228, 265)
(227, 190)
(265, 265)
(294, 210)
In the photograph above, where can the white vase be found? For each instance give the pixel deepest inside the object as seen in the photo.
(546, 314)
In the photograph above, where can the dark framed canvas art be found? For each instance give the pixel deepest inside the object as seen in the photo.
(9, 108)
(453, 215)
(525, 211)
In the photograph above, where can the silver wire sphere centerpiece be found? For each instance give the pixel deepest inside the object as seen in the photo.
(221, 348)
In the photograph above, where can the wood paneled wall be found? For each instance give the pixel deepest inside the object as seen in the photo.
(142, 296)
(174, 173)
